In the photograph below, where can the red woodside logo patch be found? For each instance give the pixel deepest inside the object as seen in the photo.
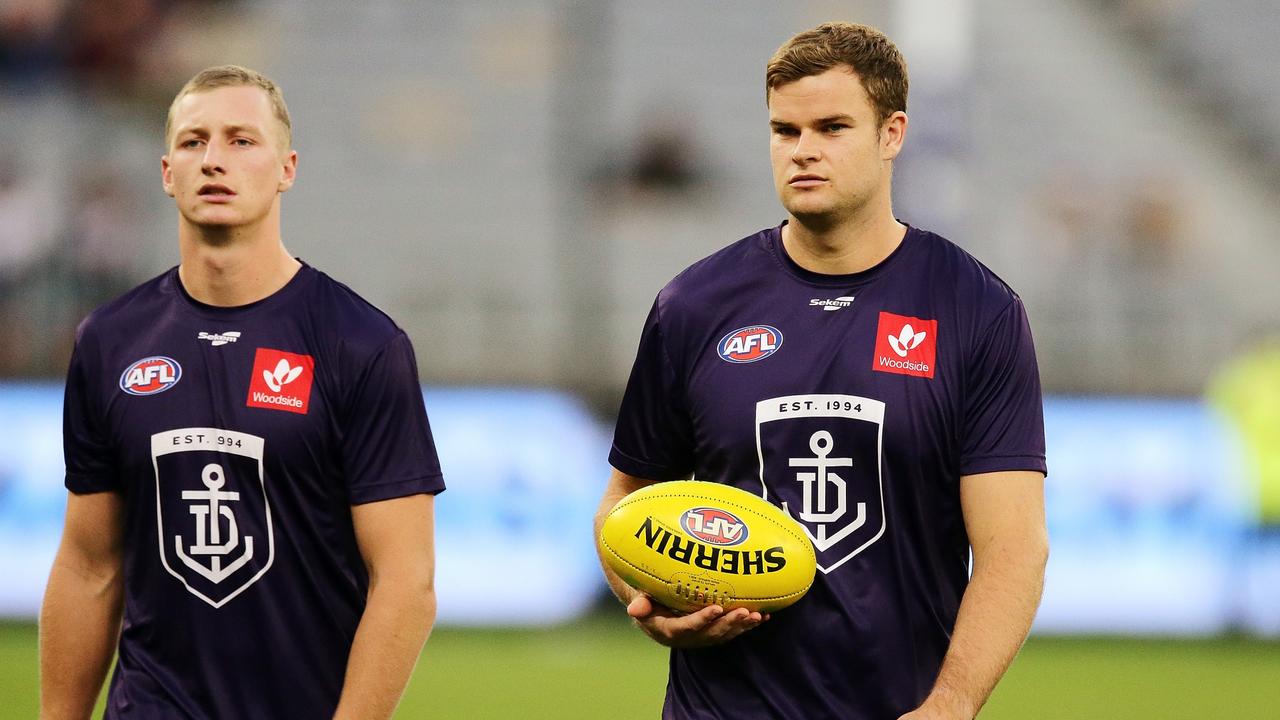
(281, 381)
(906, 345)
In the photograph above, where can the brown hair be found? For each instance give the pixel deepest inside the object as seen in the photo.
(221, 76)
(862, 48)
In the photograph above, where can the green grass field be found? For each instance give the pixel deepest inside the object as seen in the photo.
(602, 668)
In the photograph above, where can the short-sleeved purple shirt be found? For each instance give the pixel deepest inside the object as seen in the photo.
(239, 439)
(856, 403)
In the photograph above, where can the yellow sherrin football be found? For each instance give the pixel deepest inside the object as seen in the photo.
(690, 544)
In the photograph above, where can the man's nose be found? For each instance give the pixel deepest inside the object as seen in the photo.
(806, 149)
(212, 162)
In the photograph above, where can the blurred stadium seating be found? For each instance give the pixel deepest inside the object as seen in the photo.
(528, 178)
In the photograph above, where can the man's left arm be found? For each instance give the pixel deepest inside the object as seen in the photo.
(1004, 516)
(396, 540)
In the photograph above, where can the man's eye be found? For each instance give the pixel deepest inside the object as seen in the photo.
(191, 143)
(243, 142)
(836, 127)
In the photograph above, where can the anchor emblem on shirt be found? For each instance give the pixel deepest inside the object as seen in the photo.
(816, 501)
(821, 458)
(210, 509)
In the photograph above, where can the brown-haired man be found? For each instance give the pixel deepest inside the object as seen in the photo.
(250, 467)
(890, 404)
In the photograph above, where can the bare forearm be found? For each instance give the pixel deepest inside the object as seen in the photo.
(392, 631)
(994, 618)
(621, 589)
(79, 627)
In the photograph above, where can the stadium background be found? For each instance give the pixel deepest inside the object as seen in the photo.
(514, 181)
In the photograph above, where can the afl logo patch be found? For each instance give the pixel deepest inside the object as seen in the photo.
(749, 344)
(713, 525)
(149, 376)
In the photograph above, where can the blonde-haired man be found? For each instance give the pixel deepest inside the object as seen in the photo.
(880, 385)
(250, 466)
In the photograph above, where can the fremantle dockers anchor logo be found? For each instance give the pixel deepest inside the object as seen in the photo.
(821, 478)
(820, 459)
(212, 511)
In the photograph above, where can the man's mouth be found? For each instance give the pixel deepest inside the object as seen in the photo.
(806, 180)
(215, 190)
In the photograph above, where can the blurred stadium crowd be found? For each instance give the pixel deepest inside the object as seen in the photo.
(77, 81)
(516, 182)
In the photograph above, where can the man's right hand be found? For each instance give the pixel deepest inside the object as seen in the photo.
(709, 626)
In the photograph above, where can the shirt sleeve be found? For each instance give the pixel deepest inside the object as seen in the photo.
(654, 435)
(86, 448)
(1004, 410)
(387, 447)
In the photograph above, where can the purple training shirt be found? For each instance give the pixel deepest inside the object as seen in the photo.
(239, 439)
(855, 403)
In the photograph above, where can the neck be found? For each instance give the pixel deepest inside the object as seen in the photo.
(843, 246)
(228, 267)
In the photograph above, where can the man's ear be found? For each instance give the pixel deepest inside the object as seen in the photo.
(892, 134)
(166, 175)
(289, 171)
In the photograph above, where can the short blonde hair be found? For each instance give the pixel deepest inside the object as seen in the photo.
(221, 76)
(862, 48)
